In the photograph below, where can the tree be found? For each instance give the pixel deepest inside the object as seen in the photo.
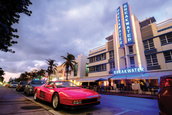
(41, 72)
(1, 72)
(51, 67)
(69, 63)
(9, 14)
(1, 75)
(23, 76)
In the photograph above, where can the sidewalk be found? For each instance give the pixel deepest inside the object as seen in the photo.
(131, 95)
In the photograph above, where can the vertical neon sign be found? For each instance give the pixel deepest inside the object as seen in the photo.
(120, 32)
(128, 25)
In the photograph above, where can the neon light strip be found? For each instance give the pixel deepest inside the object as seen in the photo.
(117, 46)
(136, 42)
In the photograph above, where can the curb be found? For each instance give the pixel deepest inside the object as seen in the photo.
(128, 95)
(52, 111)
(49, 109)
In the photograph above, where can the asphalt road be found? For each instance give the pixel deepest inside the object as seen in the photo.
(110, 105)
(13, 103)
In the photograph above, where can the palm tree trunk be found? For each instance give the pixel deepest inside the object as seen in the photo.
(67, 71)
(67, 76)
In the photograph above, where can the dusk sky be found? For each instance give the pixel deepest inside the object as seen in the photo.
(75, 26)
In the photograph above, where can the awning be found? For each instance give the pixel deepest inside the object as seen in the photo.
(148, 75)
(88, 79)
(93, 79)
(132, 76)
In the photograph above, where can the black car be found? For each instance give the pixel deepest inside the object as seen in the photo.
(21, 86)
(165, 95)
(29, 88)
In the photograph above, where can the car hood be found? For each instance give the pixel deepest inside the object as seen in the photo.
(79, 93)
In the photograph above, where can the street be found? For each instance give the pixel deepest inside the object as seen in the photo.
(13, 103)
(110, 105)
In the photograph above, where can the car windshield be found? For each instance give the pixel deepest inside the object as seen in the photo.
(40, 82)
(23, 82)
(14, 83)
(64, 84)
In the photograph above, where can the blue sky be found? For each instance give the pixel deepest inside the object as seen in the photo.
(75, 26)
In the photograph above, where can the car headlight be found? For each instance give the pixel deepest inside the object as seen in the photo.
(77, 102)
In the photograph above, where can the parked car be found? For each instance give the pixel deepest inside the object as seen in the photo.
(165, 95)
(13, 84)
(21, 86)
(67, 94)
(29, 88)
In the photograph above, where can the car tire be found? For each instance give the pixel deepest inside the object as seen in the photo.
(27, 93)
(56, 101)
(35, 96)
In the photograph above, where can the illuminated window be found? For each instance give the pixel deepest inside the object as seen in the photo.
(148, 44)
(151, 60)
(168, 56)
(166, 39)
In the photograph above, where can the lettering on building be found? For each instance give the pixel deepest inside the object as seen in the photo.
(120, 31)
(128, 25)
(129, 70)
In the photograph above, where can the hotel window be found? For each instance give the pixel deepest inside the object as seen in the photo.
(112, 65)
(98, 58)
(103, 67)
(168, 56)
(91, 60)
(130, 49)
(148, 44)
(132, 62)
(111, 54)
(151, 60)
(166, 39)
(98, 68)
(103, 56)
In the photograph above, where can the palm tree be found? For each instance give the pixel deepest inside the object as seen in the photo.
(69, 63)
(51, 67)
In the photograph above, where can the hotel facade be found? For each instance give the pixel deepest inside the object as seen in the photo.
(137, 50)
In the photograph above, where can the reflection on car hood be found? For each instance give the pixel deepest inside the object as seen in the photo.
(79, 92)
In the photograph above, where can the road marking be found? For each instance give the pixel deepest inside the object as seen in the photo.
(122, 112)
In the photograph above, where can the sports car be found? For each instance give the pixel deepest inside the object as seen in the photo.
(61, 93)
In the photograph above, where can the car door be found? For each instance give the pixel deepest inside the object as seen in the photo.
(47, 91)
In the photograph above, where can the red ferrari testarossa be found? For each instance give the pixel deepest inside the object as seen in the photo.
(66, 93)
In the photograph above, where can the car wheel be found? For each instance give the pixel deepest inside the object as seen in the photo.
(56, 101)
(35, 96)
(27, 93)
